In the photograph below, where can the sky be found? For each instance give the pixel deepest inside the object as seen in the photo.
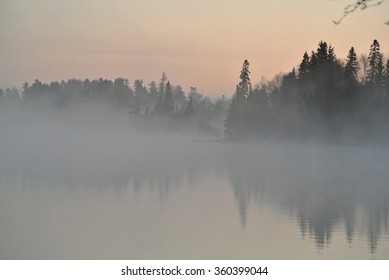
(200, 43)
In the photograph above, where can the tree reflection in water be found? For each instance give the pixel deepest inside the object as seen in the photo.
(324, 187)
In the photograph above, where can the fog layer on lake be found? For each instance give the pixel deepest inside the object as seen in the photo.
(89, 183)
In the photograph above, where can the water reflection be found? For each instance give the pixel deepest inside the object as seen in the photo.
(325, 190)
(323, 187)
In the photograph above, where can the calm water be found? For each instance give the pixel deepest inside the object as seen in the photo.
(116, 198)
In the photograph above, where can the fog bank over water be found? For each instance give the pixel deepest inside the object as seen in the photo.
(88, 180)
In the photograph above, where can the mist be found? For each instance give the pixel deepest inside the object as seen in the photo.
(89, 182)
(291, 168)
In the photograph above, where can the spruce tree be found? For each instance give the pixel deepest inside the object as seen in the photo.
(322, 52)
(245, 84)
(351, 68)
(351, 82)
(304, 100)
(331, 57)
(168, 99)
(236, 122)
(159, 107)
(304, 67)
(153, 90)
(376, 67)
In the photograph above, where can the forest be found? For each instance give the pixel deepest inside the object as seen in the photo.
(325, 99)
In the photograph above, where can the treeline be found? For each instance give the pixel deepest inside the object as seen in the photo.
(325, 99)
(162, 100)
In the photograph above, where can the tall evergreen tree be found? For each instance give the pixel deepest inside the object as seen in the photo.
(236, 122)
(140, 97)
(322, 52)
(159, 107)
(139, 89)
(121, 92)
(349, 96)
(351, 68)
(376, 67)
(304, 67)
(331, 57)
(179, 98)
(304, 99)
(153, 89)
(168, 102)
(245, 84)
(162, 83)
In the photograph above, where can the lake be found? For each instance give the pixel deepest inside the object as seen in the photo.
(121, 197)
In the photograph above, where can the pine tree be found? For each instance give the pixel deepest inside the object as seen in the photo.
(159, 107)
(179, 98)
(162, 83)
(375, 71)
(322, 52)
(351, 68)
(349, 96)
(304, 67)
(304, 99)
(168, 102)
(140, 96)
(245, 84)
(236, 122)
(331, 57)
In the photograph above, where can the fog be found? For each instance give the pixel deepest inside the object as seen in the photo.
(90, 159)
(290, 168)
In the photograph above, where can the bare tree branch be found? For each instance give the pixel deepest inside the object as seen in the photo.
(359, 5)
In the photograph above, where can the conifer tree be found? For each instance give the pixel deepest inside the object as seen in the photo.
(331, 57)
(351, 68)
(168, 99)
(322, 52)
(236, 122)
(375, 71)
(351, 81)
(304, 67)
(159, 107)
(245, 84)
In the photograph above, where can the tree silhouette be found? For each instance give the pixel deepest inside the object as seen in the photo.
(235, 126)
(168, 103)
(303, 67)
(159, 107)
(179, 98)
(351, 69)
(349, 97)
(376, 68)
(245, 84)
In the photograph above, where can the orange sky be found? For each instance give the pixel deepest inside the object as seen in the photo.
(196, 42)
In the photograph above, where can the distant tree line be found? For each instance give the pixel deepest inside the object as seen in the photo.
(143, 102)
(326, 99)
